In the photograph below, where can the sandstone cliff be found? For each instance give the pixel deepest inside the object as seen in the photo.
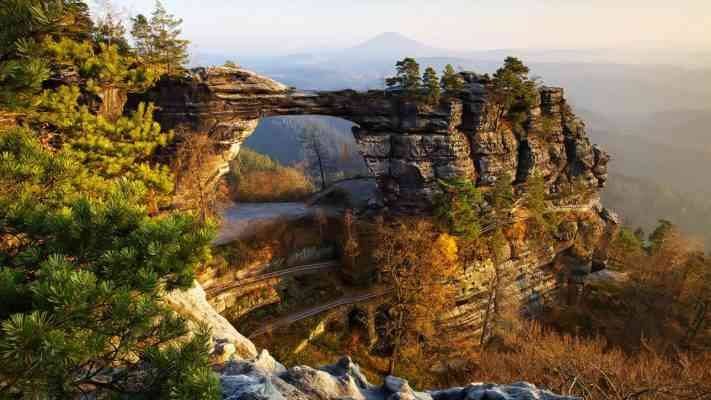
(409, 148)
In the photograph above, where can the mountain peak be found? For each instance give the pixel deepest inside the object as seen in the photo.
(394, 44)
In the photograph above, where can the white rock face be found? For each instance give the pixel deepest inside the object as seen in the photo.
(248, 375)
(193, 305)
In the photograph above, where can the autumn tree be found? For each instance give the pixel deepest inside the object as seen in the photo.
(419, 265)
(452, 83)
(430, 82)
(158, 43)
(407, 78)
(197, 172)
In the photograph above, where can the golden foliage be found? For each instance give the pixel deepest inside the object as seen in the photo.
(420, 265)
(258, 178)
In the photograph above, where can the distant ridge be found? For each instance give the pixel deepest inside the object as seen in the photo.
(394, 45)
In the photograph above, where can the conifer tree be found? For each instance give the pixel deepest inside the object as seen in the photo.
(514, 92)
(158, 41)
(84, 256)
(431, 85)
(81, 284)
(451, 82)
(407, 78)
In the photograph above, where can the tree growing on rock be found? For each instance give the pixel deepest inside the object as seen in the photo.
(158, 43)
(430, 82)
(407, 78)
(514, 93)
(419, 264)
(452, 83)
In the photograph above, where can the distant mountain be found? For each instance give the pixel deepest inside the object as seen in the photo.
(392, 45)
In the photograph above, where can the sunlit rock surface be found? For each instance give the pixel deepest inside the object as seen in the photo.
(266, 379)
(408, 147)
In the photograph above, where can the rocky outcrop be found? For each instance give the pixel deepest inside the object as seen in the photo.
(192, 304)
(408, 147)
(265, 379)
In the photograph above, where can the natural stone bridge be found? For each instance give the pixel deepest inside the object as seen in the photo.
(408, 147)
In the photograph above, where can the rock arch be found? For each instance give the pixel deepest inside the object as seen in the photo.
(406, 146)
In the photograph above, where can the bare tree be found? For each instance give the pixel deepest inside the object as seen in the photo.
(316, 151)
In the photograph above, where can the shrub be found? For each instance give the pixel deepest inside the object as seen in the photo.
(458, 208)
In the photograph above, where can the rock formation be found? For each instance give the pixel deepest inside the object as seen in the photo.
(265, 379)
(408, 147)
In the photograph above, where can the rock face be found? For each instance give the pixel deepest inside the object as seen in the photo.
(227, 342)
(409, 147)
(265, 379)
(406, 146)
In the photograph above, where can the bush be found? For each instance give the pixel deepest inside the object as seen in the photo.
(458, 208)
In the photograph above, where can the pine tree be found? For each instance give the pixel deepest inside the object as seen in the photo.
(431, 85)
(84, 255)
(407, 78)
(110, 28)
(514, 92)
(158, 41)
(80, 288)
(24, 26)
(452, 83)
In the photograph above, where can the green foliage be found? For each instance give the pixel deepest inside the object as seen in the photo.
(20, 80)
(158, 42)
(627, 241)
(81, 282)
(452, 83)
(177, 375)
(458, 208)
(85, 258)
(502, 195)
(24, 26)
(407, 78)
(430, 82)
(99, 66)
(660, 233)
(514, 92)
(26, 21)
(109, 150)
(535, 203)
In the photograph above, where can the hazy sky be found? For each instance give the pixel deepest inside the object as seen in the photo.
(283, 26)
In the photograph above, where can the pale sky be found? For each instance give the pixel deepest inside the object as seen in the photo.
(285, 26)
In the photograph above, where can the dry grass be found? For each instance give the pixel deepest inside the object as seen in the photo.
(285, 184)
(258, 178)
(587, 367)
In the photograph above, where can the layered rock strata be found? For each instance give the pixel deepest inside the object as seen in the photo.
(408, 147)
